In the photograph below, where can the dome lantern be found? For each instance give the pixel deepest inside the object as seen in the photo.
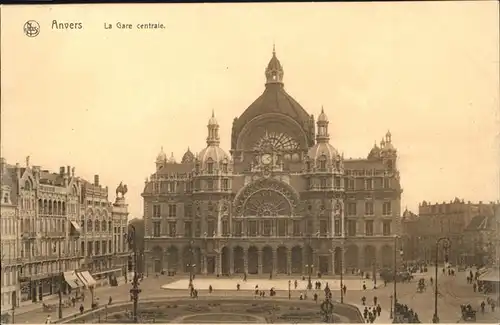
(213, 131)
(274, 70)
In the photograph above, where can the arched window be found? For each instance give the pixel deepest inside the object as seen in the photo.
(109, 226)
(210, 166)
(103, 225)
(322, 162)
(97, 225)
(89, 225)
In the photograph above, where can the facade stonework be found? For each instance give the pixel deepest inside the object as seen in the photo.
(45, 238)
(457, 220)
(283, 200)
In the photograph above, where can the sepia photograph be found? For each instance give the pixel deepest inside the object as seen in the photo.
(250, 163)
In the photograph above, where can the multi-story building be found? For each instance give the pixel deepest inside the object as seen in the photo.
(409, 226)
(447, 220)
(283, 194)
(9, 239)
(44, 213)
(103, 225)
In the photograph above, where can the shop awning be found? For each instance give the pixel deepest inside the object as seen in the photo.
(72, 280)
(76, 226)
(86, 278)
(491, 275)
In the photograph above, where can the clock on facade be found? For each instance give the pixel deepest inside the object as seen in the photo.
(266, 159)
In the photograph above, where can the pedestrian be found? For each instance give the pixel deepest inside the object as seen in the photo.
(110, 300)
(48, 320)
(375, 300)
(493, 306)
(482, 306)
(345, 289)
(81, 308)
(365, 313)
(379, 309)
(363, 300)
(73, 301)
(474, 287)
(295, 284)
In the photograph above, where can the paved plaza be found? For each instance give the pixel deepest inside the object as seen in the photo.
(453, 292)
(265, 284)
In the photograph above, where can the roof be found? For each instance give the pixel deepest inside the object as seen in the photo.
(274, 99)
(491, 275)
(481, 223)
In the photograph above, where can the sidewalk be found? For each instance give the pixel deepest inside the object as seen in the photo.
(54, 299)
(382, 319)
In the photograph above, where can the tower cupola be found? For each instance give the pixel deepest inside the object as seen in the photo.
(274, 70)
(213, 131)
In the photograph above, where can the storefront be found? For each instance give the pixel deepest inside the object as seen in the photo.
(72, 281)
(25, 288)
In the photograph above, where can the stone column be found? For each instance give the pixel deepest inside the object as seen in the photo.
(231, 260)
(204, 264)
(165, 262)
(245, 260)
(218, 263)
(332, 257)
(315, 262)
(305, 260)
(289, 261)
(275, 260)
(260, 261)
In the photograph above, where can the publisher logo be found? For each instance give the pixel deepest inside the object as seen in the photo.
(31, 28)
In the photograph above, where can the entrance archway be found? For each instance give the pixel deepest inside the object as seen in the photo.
(351, 257)
(157, 254)
(211, 264)
(267, 260)
(370, 256)
(197, 259)
(188, 259)
(239, 259)
(282, 259)
(226, 263)
(338, 260)
(387, 256)
(253, 260)
(297, 260)
(173, 258)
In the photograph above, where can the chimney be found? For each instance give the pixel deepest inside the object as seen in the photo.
(18, 170)
(73, 172)
(61, 171)
(480, 202)
(96, 180)
(68, 170)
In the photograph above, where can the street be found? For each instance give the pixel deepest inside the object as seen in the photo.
(454, 292)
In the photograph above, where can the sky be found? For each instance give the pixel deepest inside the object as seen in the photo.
(106, 100)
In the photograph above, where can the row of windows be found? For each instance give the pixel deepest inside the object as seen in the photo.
(279, 227)
(9, 226)
(210, 167)
(351, 208)
(190, 186)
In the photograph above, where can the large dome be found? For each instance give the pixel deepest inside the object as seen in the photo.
(214, 155)
(274, 100)
(323, 149)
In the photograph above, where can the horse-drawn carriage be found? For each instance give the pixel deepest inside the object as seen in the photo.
(468, 314)
(49, 307)
(421, 287)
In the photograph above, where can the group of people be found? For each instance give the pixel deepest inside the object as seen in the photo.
(403, 314)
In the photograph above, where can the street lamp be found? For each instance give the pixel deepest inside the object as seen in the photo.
(309, 283)
(446, 244)
(131, 239)
(191, 265)
(60, 313)
(390, 315)
(394, 294)
(289, 289)
(342, 273)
